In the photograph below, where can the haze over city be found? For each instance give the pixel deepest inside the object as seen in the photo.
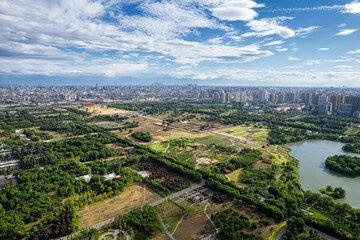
(205, 42)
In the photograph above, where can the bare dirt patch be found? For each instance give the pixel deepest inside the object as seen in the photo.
(193, 226)
(261, 165)
(132, 197)
(103, 110)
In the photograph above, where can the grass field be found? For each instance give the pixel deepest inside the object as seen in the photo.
(352, 131)
(234, 176)
(97, 212)
(170, 213)
(158, 146)
(212, 138)
(317, 215)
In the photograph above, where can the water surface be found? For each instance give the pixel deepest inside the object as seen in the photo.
(312, 172)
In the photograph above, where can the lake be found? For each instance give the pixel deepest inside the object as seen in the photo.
(314, 175)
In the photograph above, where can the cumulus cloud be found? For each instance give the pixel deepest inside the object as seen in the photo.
(345, 32)
(353, 7)
(73, 32)
(235, 10)
(263, 27)
(323, 49)
(354, 52)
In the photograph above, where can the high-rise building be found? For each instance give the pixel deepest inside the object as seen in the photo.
(217, 97)
(345, 109)
(322, 100)
(354, 101)
(289, 97)
(223, 97)
(228, 97)
(336, 101)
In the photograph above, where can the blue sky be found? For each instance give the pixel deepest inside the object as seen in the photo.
(212, 42)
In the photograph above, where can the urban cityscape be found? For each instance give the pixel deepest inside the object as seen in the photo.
(179, 119)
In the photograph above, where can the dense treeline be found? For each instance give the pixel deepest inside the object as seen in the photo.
(41, 191)
(61, 226)
(355, 147)
(246, 157)
(338, 192)
(77, 128)
(344, 164)
(345, 219)
(25, 119)
(35, 135)
(88, 148)
(144, 219)
(145, 137)
(232, 224)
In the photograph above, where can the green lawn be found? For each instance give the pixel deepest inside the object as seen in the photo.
(158, 146)
(234, 176)
(352, 131)
(317, 215)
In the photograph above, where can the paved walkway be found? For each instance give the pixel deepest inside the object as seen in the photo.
(212, 223)
(167, 233)
(178, 194)
(321, 234)
(114, 232)
(281, 233)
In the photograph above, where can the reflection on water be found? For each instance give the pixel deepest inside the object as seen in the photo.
(314, 175)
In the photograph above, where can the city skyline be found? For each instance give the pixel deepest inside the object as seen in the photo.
(209, 42)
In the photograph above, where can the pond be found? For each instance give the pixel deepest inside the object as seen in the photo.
(312, 172)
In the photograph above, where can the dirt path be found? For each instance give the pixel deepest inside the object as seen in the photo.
(212, 223)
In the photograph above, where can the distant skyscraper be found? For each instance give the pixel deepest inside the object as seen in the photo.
(289, 97)
(322, 100)
(223, 97)
(237, 97)
(228, 97)
(336, 101)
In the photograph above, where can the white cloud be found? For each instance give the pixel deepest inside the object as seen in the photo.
(353, 7)
(281, 49)
(105, 67)
(264, 28)
(235, 10)
(274, 43)
(193, 52)
(342, 25)
(271, 77)
(354, 52)
(344, 67)
(293, 59)
(323, 49)
(167, 19)
(345, 32)
(305, 31)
